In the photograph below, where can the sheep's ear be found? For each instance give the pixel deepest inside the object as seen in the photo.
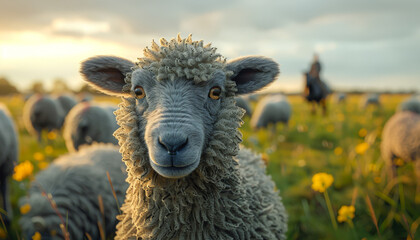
(106, 73)
(252, 73)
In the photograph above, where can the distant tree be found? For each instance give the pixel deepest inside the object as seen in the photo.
(60, 86)
(6, 87)
(37, 87)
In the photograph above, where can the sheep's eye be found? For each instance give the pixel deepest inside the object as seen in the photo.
(139, 91)
(215, 93)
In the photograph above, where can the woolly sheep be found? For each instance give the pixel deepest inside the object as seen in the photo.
(401, 139)
(271, 109)
(371, 99)
(412, 104)
(242, 103)
(87, 123)
(8, 158)
(76, 182)
(67, 103)
(179, 138)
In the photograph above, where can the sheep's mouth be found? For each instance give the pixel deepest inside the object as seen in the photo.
(174, 171)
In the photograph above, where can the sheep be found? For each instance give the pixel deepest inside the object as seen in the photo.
(42, 113)
(401, 139)
(271, 109)
(371, 99)
(87, 123)
(179, 138)
(67, 102)
(242, 103)
(77, 186)
(412, 104)
(340, 97)
(8, 159)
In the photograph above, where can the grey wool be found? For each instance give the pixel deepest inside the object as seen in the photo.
(8, 158)
(66, 102)
(179, 138)
(87, 123)
(411, 104)
(271, 109)
(77, 185)
(243, 103)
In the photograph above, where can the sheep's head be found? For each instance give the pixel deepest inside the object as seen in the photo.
(180, 88)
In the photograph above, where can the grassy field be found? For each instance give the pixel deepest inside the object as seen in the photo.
(345, 145)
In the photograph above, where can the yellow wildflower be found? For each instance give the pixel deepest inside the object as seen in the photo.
(25, 209)
(39, 156)
(346, 213)
(338, 151)
(23, 170)
(42, 165)
(398, 162)
(49, 150)
(321, 181)
(362, 132)
(265, 158)
(361, 148)
(36, 236)
(51, 135)
(377, 180)
(341, 117)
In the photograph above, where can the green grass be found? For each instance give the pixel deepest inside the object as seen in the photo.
(308, 145)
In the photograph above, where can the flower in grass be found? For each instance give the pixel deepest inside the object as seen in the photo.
(361, 148)
(49, 150)
(36, 236)
(362, 132)
(346, 213)
(24, 209)
(39, 156)
(51, 135)
(338, 151)
(322, 181)
(42, 165)
(398, 162)
(23, 170)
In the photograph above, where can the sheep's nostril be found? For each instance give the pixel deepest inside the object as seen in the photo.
(173, 145)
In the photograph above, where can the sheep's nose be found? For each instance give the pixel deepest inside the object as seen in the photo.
(173, 144)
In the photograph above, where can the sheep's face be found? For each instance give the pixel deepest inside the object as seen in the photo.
(176, 114)
(176, 119)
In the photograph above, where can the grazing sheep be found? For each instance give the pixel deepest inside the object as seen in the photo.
(179, 138)
(8, 158)
(401, 139)
(242, 103)
(42, 113)
(316, 92)
(87, 123)
(371, 99)
(412, 104)
(67, 103)
(79, 188)
(271, 109)
(340, 97)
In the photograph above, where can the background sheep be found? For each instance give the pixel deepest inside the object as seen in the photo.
(8, 158)
(67, 103)
(42, 113)
(271, 109)
(412, 104)
(87, 123)
(180, 140)
(340, 97)
(76, 183)
(242, 103)
(371, 99)
(401, 139)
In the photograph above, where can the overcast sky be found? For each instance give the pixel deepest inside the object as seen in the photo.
(361, 44)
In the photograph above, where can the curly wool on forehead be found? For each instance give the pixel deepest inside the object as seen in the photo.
(181, 58)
